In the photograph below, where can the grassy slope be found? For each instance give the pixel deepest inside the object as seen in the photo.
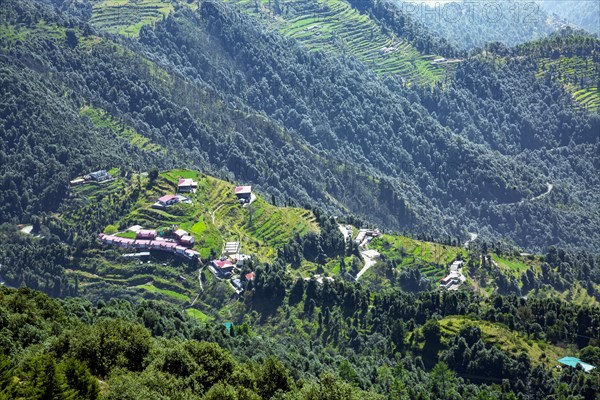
(507, 340)
(101, 118)
(433, 259)
(334, 26)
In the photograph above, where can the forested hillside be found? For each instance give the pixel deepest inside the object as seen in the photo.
(341, 27)
(322, 341)
(330, 133)
(347, 118)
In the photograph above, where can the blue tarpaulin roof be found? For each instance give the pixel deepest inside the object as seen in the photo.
(573, 361)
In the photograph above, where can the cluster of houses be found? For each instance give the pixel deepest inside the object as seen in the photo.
(148, 239)
(180, 242)
(229, 269)
(100, 176)
(183, 186)
(230, 265)
(364, 236)
(455, 278)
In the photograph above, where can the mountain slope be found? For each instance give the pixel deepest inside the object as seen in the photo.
(336, 27)
(217, 91)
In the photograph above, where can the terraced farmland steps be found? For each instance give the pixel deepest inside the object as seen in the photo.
(334, 26)
(126, 17)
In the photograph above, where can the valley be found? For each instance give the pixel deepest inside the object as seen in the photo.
(296, 200)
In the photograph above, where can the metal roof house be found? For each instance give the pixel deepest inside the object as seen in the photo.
(186, 185)
(574, 362)
(243, 192)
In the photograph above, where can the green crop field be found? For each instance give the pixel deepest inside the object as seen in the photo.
(431, 258)
(506, 339)
(198, 315)
(126, 17)
(335, 26)
(580, 76)
(170, 293)
(515, 265)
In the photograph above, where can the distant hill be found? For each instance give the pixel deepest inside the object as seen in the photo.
(469, 25)
(584, 14)
(342, 27)
(571, 59)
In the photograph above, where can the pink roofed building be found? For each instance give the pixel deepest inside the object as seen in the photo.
(250, 276)
(142, 244)
(186, 185)
(148, 234)
(168, 200)
(243, 193)
(223, 267)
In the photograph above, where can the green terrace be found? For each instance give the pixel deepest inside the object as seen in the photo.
(103, 119)
(126, 17)
(335, 26)
(431, 258)
(581, 76)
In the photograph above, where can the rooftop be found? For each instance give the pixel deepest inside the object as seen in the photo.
(243, 189)
(573, 361)
(187, 182)
(180, 233)
(223, 264)
(167, 197)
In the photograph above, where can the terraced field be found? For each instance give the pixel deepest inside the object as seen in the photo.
(506, 339)
(335, 26)
(431, 258)
(580, 76)
(214, 217)
(516, 265)
(126, 17)
(102, 119)
(588, 98)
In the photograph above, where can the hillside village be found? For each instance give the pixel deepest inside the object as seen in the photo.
(139, 241)
(143, 240)
(175, 240)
